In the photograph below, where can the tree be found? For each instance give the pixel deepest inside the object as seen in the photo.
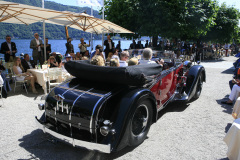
(226, 27)
(183, 19)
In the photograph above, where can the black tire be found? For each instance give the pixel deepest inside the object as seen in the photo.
(140, 122)
(199, 87)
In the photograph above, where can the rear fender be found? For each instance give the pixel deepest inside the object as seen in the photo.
(124, 110)
(192, 77)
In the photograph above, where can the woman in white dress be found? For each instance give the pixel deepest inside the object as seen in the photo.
(20, 75)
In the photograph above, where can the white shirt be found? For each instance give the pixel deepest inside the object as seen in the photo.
(110, 44)
(123, 63)
(10, 47)
(1, 80)
(142, 62)
(29, 64)
(38, 43)
(83, 47)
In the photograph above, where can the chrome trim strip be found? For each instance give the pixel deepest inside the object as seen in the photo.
(109, 93)
(169, 100)
(89, 145)
(90, 127)
(70, 115)
(68, 90)
(95, 94)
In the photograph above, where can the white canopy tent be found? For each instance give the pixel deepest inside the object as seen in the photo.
(87, 23)
(24, 14)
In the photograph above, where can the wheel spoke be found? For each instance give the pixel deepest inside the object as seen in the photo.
(140, 120)
(145, 120)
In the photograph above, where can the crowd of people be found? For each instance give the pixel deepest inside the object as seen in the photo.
(234, 85)
(200, 50)
(109, 55)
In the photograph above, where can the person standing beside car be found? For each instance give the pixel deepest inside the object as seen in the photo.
(9, 50)
(109, 45)
(83, 46)
(48, 49)
(35, 45)
(69, 46)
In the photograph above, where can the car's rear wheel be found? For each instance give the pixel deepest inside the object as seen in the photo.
(140, 122)
(199, 87)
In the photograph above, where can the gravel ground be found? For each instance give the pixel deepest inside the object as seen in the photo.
(183, 131)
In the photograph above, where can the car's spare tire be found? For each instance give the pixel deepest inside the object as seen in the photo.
(132, 75)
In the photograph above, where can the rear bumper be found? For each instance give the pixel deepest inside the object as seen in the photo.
(74, 142)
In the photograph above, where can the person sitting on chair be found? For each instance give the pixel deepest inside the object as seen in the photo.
(147, 56)
(21, 75)
(57, 58)
(133, 61)
(114, 62)
(78, 56)
(26, 63)
(98, 51)
(124, 57)
(52, 62)
(98, 60)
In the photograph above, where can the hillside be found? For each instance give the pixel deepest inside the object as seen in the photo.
(52, 31)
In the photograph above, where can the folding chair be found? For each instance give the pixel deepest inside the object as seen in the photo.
(20, 83)
(54, 77)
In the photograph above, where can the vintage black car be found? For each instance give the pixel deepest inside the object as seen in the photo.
(109, 108)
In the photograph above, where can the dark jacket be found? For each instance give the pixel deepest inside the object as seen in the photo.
(4, 49)
(107, 50)
(48, 49)
(26, 66)
(69, 47)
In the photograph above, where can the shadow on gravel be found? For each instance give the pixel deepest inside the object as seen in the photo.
(43, 146)
(212, 61)
(21, 91)
(227, 108)
(228, 127)
(224, 158)
(229, 71)
(174, 107)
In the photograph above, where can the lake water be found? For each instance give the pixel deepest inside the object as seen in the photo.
(23, 45)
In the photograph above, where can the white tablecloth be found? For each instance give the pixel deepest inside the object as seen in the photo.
(236, 109)
(232, 139)
(41, 76)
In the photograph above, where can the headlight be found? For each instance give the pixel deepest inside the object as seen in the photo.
(104, 130)
(41, 106)
(107, 128)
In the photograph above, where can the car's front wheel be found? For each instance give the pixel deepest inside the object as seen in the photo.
(140, 122)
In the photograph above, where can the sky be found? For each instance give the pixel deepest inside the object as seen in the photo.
(77, 2)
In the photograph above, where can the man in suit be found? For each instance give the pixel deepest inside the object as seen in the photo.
(48, 49)
(109, 45)
(35, 45)
(27, 63)
(69, 46)
(9, 50)
(133, 45)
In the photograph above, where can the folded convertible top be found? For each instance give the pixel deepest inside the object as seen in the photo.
(132, 75)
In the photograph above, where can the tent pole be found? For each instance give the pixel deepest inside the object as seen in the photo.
(45, 50)
(66, 31)
(103, 18)
(91, 33)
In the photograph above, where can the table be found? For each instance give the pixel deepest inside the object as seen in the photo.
(41, 76)
(236, 109)
(232, 139)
